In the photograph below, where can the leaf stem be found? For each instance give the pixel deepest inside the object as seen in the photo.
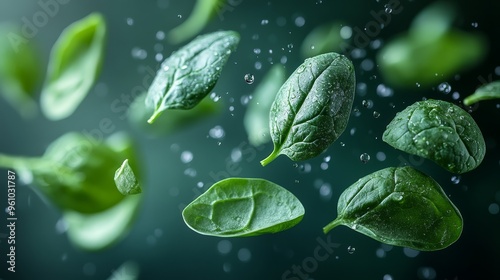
(270, 158)
(155, 115)
(332, 225)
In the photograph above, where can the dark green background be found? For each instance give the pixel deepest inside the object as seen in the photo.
(159, 242)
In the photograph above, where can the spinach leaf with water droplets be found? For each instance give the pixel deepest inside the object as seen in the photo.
(190, 73)
(439, 131)
(400, 206)
(312, 107)
(74, 65)
(243, 207)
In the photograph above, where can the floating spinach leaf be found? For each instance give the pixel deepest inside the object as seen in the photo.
(431, 51)
(439, 131)
(203, 12)
(400, 206)
(243, 207)
(485, 92)
(126, 180)
(189, 74)
(127, 271)
(97, 231)
(173, 120)
(20, 70)
(323, 39)
(312, 107)
(74, 65)
(76, 172)
(256, 119)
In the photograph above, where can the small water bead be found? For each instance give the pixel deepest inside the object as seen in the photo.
(264, 22)
(380, 156)
(325, 191)
(190, 172)
(346, 32)
(364, 158)
(61, 226)
(323, 166)
(353, 131)
(305, 168)
(367, 64)
(224, 247)
(444, 88)
(256, 51)
(159, 57)
(380, 253)
(351, 250)
(130, 21)
(186, 156)
(236, 155)
(493, 208)
(455, 179)
(455, 95)
(376, 114)
(283, 59)
(258, 65)
(388, 8)
(249, 78)
(244, 255)
(387, 277)
(410, 253)
(139, 53)
(179, 16)
(342, 144)
(300, 21)
(426, 272)
(474, 24)
(384, 91)
(160, 35)
(327, 158)
(217, 132)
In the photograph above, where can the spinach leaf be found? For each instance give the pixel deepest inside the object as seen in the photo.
(485, 92)
(76, 172)
(126, 180)
(243, 207)
(173, 120)
(431, 51)
(203, 12)
(323, 39)
(98, 231)
(400, 206)
(74, 65)
(129, 270)
(312, 107)
(189, 74)
(256, 119)
(439, 131)
(20, 70)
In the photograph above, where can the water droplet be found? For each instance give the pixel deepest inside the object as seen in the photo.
(305, 168)
(61, 226)
(139, 53)
(256, 51)
(444, 88)
(342, 144)
(351, 250)
(364, 157)
(380, 253)
(258, 65)
(493, 209)
(455, 95)
(249, 78)
(236, 155)
(380, 156)
(300, 21)
(388, 8)
(384, 91)
(455, 179)
(186, 157)
(474, 24)
(410, 253)
(244, 255)
(367, 103)
(417, 84)
(327, 158)
(346, 32)
(160, 35)
(323, 166)
(264, 22)
(224, 247)
(179, 16)
(376, 114)
(190, 172)
(217, 132)
(130, 21)
(297, 181)
(353, 131)
(367, 64)
(387, 277)
(398, 197)
(426, 273)
(325, 191)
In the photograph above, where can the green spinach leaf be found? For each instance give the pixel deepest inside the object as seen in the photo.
(76, 172)
(312, 107)
(126, 180)
(189, 74)
(20, 70)
(243, 207)
(74, 65)
(256, 119)
(400, 206)
(203, 12)
(129, 270)
(439, 131)
(485, 92)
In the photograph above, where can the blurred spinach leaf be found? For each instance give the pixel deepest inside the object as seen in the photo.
(431, 51)
(20, 70)
(256, 120)
(485, 92)
(203, 12)
(74, 65)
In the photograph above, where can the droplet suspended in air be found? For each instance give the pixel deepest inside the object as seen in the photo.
(376, 114)
(249, 78)
(444, 88)
(364, 157)
(351, 250)
(455, 180)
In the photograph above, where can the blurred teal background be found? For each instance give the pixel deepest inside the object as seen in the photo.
(159, 242)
